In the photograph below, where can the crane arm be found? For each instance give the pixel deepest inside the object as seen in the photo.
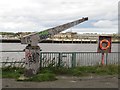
(34, 38)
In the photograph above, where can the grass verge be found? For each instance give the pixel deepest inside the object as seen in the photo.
(84, 70)
(49, 74)
(12, 72)
(43, 77)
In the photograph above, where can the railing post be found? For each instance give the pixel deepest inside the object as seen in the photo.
(40, 60)
(59, 59)
(73, 59)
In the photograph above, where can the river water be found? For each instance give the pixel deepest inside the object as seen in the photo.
(53, 47)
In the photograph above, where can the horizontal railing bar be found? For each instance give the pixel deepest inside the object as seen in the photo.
(14, 51)
(12, 62)
(53, 52)
(75, 52)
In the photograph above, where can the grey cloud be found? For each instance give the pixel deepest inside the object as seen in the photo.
(38, 14)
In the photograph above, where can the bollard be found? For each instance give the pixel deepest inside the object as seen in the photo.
(73, 59)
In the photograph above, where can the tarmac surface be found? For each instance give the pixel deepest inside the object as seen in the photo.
(66, 82)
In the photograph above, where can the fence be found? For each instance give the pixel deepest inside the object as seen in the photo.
(65, 59)
(73, 59)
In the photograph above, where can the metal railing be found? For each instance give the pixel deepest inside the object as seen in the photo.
(65, 59)
(74, 59)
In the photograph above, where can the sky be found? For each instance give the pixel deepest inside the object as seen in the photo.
(38, 15)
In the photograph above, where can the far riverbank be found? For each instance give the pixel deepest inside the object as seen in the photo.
(54, 41)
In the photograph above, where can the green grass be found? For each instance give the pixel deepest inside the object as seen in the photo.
(49, 74)
(84, 70)
(12, 72)
(43, 77)
(97, 70)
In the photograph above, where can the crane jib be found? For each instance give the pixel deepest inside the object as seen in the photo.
(39, 36)
(52, 31)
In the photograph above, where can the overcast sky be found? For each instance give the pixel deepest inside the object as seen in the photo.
(37, 15)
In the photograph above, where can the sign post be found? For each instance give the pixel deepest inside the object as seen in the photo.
(104, 46)
(102, 58)
(106, 58)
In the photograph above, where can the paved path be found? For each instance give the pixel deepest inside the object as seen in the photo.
(66, 82)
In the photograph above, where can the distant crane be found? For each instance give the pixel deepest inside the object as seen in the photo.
(32, 50)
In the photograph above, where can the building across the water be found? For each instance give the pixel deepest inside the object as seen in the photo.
(67, 37)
